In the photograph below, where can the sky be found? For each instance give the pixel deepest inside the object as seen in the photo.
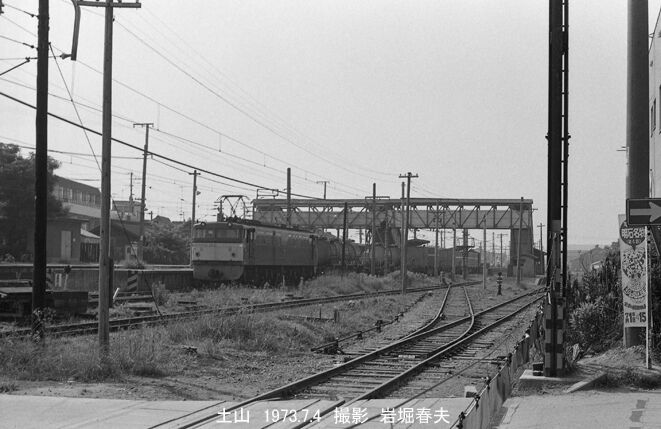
(348, 92)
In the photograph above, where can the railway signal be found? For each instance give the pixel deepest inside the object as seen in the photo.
(499, 280)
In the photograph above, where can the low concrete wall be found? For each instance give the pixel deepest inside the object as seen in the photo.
(87, 278)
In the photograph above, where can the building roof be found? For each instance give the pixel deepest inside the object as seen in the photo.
(64, 182)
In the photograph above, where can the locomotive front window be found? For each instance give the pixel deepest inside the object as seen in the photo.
(218, 234)
(229, 233)
(204, 233)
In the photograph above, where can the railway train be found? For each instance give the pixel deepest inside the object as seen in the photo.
(246, 251)
(254, 253)
(420, 259)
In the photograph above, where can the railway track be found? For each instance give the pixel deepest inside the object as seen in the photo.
(83, 328)
(382, 371)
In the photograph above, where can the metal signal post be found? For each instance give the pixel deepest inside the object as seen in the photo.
(558, 154)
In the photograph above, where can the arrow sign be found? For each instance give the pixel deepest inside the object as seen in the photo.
(644, 211)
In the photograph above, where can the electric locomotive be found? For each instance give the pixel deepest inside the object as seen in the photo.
(231, 251)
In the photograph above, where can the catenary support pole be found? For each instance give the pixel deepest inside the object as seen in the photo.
(344, 238)
(143, 207)
(454, 248)
(402, 239)
(436, 244)
(373, 240)
(484, 257)
(464, 254)
(288, 196)
(518, 245)
(192, 219)
(104, 247)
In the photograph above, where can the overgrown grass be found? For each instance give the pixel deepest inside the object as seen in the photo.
(631, 377)
(155, 352)
(140, 352)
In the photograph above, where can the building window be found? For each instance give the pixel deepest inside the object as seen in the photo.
(653, 116)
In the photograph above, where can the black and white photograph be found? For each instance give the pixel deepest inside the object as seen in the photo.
(330, 214)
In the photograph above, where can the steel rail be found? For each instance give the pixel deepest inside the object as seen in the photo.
(427, 326)
(448, 348)
(194, 419)
(117, 324)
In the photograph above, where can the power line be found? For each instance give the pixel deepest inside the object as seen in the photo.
(213, 150)
(18, 41)
(150, 152)
(232, 104)
(75, 108)
(19, 25)
(27, 60)
(234, 139)
(216, 71)
(21, 10)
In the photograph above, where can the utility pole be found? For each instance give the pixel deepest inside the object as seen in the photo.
(131, 189)
(637, 138)
(501, 250)
(373, 241)
(344, 238)
(325, 182)
(288, 196)
(493, 248)
(518, 245)
(402, 241)
(386, 244)
(436, 244)
(41, 176)
(192, 220)
(141, 240)
(464, 254)
(454, 247)
(541, 246)
(104, 247)
(408, 177)
(484, 256)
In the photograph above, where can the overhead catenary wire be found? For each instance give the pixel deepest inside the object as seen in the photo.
(196, 55)
(75, 108)
(228, 153)
(33, 15)
(233, 104)
(202, 124)
(151, 152)
(27, 60)
(197, 122)
(17, 41)
(18, 25)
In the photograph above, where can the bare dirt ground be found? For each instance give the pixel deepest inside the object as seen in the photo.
(227, 374)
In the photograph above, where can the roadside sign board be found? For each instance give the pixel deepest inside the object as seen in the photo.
(633, 259)
(643, 211)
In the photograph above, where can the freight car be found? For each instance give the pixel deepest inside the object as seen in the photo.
(420, 259)
(256, 253)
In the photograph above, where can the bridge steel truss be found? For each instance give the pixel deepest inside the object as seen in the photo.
(425, 213)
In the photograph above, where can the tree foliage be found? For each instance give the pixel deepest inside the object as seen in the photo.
(596, 306)
(167, 243)
(17, 178)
